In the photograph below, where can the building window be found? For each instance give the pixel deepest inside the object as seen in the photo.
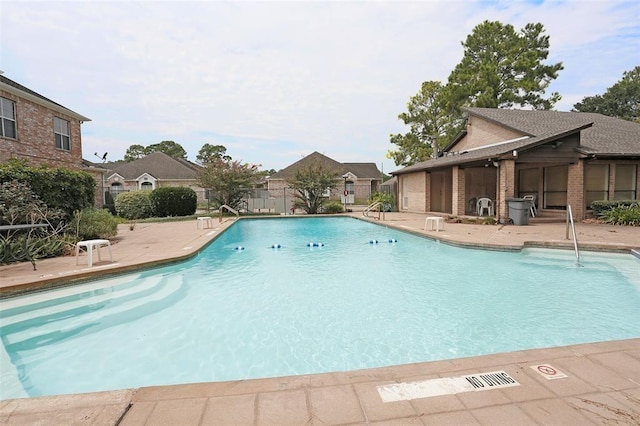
(555, 187)
(7, 118)
(350, 188)
(61, 130)
(147, 186)
(626, 182)
(596, 183)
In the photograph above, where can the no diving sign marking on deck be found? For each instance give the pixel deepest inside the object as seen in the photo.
(548, 372)
(446, 386)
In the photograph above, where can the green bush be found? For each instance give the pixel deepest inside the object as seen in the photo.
(41, 243)
(93, 223)
(623, 215)
(333, 207)
(134, 205)
(384, 198)
(59, 188)
(601, 207)
(173, 201)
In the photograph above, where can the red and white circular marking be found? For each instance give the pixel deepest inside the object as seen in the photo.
(549, 372)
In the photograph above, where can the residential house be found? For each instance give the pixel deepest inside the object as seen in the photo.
(39, 130)
(152, 171)
(560, 158)
(360, 180)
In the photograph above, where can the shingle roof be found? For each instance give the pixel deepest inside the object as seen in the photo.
(608, 135)
(160, 166)
(599, 134)
(361, 170)
(37, 95)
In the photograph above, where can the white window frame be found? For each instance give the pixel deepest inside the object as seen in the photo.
(8, 118)
(62, 133)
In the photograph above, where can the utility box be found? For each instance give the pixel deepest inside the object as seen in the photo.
(519, 210)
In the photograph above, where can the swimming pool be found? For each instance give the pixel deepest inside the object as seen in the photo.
(344, 303)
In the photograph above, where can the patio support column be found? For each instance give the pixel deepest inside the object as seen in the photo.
(458, 195)
(575, 189)
(507, 187)
(427, 191)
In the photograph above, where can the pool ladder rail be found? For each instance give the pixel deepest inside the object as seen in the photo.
(231, 210)
(372, 207)
(571, 225)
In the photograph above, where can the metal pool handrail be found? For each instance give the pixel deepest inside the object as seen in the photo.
(573, 230)
(371, 207)
(234, 211)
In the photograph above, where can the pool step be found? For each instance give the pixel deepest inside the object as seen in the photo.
(117, 311)
(11, 386)
(34, 300)
(52, 310)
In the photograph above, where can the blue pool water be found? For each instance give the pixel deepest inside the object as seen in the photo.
(261, 312)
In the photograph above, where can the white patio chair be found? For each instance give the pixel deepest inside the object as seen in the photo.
(484, 204)
(532, 206)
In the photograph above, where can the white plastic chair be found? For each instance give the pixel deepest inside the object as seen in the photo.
(484, 204)
(532, 207)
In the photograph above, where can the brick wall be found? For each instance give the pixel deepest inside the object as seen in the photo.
(413, 191)
(507, 175)
(36, 140)
(575, 189)
(481, 132)
(459, 194)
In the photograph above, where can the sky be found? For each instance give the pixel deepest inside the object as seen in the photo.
(275, 81)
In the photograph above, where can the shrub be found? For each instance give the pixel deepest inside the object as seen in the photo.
(333, 207)
(41, 245)
(19, 205)
(134, 205)
(623, 215)
(384, 198)
(601, 207)
(59, 188)
(173, 201)
(93, 223)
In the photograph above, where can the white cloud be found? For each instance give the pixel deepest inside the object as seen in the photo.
(273, 81)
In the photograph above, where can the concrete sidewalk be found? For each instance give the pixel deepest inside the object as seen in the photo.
(602, 383)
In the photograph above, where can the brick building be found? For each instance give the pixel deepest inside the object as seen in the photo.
(38, 129)
(560, 158)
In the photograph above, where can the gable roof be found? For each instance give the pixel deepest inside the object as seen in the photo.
(599, 135)
(22, 91)
(160, 166)
(607, 135)
(361, 170)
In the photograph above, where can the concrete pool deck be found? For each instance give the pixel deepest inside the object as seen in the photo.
(602, 383)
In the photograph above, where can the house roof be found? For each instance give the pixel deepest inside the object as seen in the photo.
(20, 90)
(599, 135)
(160, 166)
(361, 170)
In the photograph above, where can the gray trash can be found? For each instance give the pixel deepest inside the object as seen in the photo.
(519, 211)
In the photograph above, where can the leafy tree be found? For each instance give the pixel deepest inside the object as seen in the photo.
(502, 68)
(228, 181)
(209, 153)
(429, 121)
(170, 148)
(622, 100)
(134, 152)
(310, 182)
